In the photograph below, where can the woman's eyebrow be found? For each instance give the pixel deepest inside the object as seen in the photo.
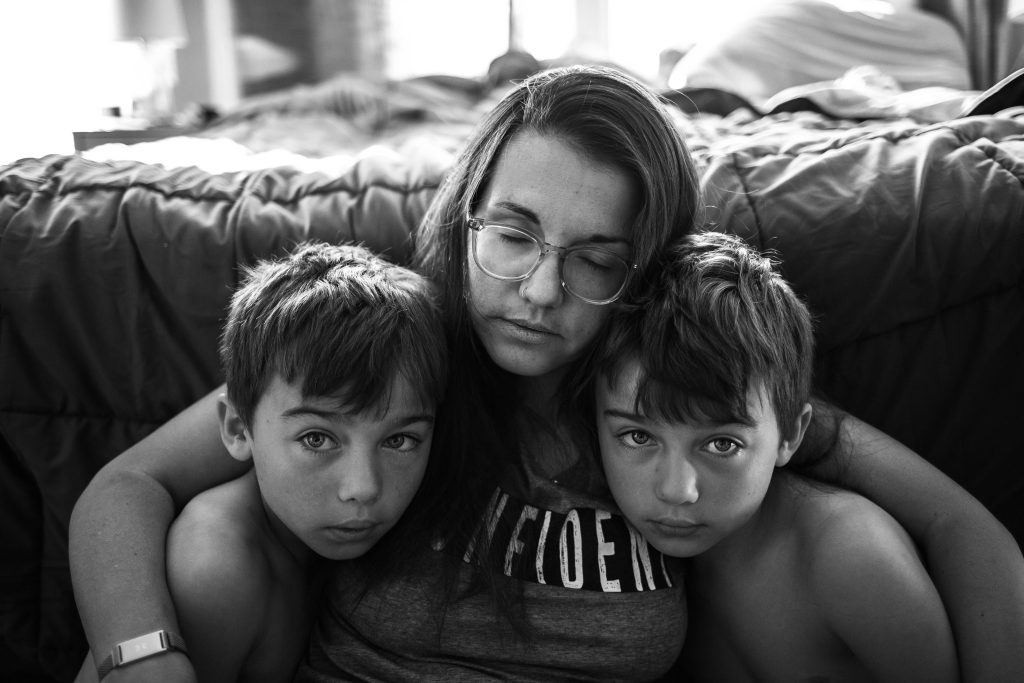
(523, 211)
(598, 238)
(530, 215)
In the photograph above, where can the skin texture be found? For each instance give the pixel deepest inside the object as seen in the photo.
(332, 482)
(534, 328)
(972, 558)
(688, 486)
(240, 555)
(241, 584)
(786, 581)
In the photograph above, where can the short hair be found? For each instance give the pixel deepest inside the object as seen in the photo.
(340, 319)
(721, 320)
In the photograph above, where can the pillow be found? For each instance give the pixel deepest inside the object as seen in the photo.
(795, 42)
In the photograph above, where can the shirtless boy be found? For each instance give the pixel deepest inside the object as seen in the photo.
(702, 399)
(335, 361)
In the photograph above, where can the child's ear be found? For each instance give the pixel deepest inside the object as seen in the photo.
(790, 445)
(232, 430)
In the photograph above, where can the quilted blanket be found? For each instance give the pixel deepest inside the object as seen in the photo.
(905, 238)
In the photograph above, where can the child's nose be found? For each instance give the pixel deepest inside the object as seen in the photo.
(359, 477)
(678, 485)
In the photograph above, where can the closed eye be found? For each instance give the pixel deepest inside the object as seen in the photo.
(597, 261)
(512, 238)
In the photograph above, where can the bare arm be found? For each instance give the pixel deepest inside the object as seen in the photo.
(974, 561)
(220, 583)
(119, 528)
(874, 592)
(175, 667)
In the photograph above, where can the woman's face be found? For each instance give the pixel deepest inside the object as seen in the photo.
(533, 327)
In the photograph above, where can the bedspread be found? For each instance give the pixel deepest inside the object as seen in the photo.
(905, 238)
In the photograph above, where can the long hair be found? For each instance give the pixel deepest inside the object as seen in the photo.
(608, 117)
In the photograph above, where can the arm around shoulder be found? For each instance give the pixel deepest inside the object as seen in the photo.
(119, 527)
(171, 666)
(973, 560)
(877, 597)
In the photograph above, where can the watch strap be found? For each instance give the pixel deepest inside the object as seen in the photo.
(142, 647)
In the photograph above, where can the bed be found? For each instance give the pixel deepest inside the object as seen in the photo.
(897, 213)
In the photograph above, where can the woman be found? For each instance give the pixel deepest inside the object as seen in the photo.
(551, 216)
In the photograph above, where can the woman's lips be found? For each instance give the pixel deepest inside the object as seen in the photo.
(524, 330)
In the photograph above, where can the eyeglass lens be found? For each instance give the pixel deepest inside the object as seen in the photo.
(589, 273)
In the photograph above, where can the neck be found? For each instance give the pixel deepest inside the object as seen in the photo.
(540, 394)
(548, 437)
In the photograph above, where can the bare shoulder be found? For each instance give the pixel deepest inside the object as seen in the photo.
(216, 562)
(844, 538)
(870, 585)
(843, 535)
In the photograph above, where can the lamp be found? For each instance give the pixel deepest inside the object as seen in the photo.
(158, 26)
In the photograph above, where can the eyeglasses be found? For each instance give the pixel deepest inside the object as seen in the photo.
(593, 274)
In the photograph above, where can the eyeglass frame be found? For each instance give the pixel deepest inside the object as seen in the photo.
(476, 225)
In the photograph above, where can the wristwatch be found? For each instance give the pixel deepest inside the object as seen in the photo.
(155, 643)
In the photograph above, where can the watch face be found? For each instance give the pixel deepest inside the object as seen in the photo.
(141, 647)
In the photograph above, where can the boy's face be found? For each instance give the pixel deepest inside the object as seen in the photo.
(685, 487)
(338, 481)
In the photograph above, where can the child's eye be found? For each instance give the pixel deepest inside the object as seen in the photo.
(635, 438)
(402, 442)
(316, 441)
(723, 446)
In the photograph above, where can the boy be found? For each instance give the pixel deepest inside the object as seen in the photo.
(702, 395)
(334, 361)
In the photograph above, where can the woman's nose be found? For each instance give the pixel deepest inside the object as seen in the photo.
(544, 286)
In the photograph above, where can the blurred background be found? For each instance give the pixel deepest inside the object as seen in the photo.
(103, 64)
(73, 64)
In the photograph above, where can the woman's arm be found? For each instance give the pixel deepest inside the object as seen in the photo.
(870, 586)
(119, 528)
(974, 561)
